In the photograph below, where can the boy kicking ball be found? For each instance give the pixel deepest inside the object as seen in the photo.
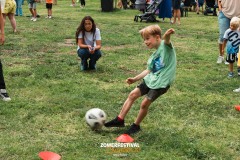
(157, 78)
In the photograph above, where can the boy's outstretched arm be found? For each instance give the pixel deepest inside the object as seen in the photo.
(167, 34)
(138, 77)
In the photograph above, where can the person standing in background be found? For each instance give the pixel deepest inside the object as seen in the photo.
(19, 8)
(3, 92)
(9, 10)
(199, 4)
(227, 10)
(165, 9)
(176, 11)
(32, 5)
(49, 4)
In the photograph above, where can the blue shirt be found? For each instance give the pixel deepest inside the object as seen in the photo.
(233, 41)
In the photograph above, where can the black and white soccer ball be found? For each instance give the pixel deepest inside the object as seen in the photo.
(95, 118)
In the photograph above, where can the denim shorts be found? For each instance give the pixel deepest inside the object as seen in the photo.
(224, 24)
(151, 94)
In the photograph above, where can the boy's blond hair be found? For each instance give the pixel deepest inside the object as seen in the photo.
(152, 30)
(235, 21)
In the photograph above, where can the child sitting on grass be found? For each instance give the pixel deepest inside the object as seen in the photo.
(157, 78)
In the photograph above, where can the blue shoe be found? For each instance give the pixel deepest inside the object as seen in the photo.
(230, 74)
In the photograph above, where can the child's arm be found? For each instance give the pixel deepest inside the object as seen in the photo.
(167, 34)
(2, 37)
(138, 77)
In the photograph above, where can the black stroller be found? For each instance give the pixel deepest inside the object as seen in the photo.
(149, 13)
(211, 7)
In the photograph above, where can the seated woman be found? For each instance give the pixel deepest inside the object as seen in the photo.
(88, 39)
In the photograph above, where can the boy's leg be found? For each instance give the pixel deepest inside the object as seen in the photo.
(119, 120)
(143, 111)
(129, 101)
(230, 59)
(151, 96)
(231, 67)
(135, 127)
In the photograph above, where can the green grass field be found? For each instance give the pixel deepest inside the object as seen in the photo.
(196, 119)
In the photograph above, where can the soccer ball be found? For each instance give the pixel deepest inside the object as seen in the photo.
(95, 118)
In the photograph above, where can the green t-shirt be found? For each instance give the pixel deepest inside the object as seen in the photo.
(162, 65)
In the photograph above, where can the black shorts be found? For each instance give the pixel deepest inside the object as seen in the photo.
(151, 94)
(176, 4)
(231, 58)
(49, 5)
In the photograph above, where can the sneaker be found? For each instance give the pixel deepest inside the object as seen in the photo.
(220, 59)
(226, 63)
(236, 90)
(4, 95)
(34, 19)
(47, 17)
(230, 74)
(115, 123)
(133, 129)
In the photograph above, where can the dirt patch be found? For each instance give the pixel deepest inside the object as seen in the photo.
(68, 42)
(111, 48)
